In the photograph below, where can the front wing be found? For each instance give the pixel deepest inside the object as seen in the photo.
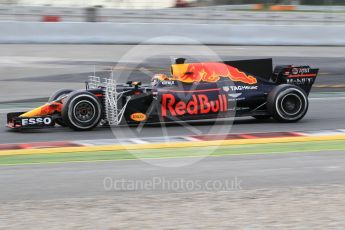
(14, 121)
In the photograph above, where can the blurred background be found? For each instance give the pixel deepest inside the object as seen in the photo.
(200, 11)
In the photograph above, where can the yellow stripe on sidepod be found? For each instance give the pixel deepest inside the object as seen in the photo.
(169, 145)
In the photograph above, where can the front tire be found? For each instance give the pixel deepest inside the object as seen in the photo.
(81, 111)
(287, 103)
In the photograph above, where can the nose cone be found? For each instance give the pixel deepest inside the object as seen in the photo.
(47, 109)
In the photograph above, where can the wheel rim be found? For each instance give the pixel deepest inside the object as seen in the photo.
(84, 111)
(291, 104)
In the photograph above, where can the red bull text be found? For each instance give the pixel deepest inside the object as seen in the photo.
(199, 104)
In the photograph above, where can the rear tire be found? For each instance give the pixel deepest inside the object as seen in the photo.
(81, 111)
(56, 96)
(287, 103)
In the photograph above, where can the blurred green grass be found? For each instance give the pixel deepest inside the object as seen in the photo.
(277, 148)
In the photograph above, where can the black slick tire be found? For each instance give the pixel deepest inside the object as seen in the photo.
(81, 111)
(287, 103)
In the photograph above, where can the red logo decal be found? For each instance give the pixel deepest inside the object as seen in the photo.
(211, 72)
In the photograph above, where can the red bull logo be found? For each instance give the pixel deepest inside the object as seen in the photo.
(209, 72)
(199, 104)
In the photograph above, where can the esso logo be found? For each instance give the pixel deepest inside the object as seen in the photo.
(37, 120)
(138, 117)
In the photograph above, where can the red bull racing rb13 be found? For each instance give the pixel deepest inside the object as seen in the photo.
(193, 91)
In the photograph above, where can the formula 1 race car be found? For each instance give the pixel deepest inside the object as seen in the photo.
(194, 91)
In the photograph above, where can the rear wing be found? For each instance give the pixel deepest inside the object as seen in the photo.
(302, 76)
